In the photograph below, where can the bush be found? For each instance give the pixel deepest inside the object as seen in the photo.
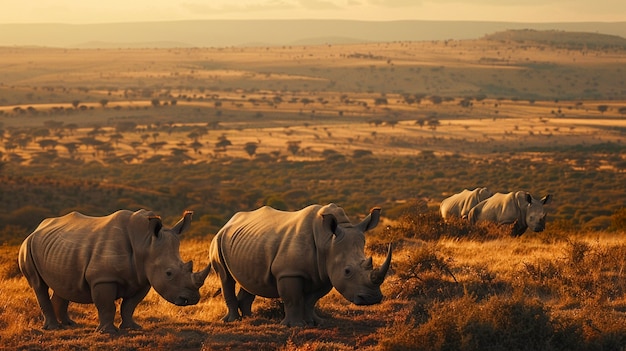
(500, 323)
(618, 220)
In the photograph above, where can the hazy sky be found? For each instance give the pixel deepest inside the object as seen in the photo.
(81, 11)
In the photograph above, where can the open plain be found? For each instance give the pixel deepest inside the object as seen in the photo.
(399, 125)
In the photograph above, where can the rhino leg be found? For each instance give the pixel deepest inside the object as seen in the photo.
(290, 291)
(310, 316)
(104, 298)
(50, 321)
(42, 292)
(128, 308)
(60, 309)
(228, 292)
(244, 301)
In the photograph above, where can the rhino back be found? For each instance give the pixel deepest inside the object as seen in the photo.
(451, 206)
(73, 252)
(261, 246)
(501, 208)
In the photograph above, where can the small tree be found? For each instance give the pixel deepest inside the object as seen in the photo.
(293, 146)
(223, 142)
(250, 148)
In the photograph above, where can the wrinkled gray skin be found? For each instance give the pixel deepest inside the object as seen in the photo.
(297, 256)
(101, 259)
(459, 205)
(517, 208)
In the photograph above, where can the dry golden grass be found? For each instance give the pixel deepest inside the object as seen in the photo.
(572, 275)
(496, 267)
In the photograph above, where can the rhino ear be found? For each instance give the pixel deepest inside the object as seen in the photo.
(184, 223)
(155, 225)
(546, 199)
(371, 221)
(529, 198)
(329, 222)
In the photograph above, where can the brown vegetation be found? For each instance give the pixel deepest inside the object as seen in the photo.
(396, 125)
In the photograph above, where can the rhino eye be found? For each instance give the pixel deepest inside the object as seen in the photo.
(169, 274)
(347, 271)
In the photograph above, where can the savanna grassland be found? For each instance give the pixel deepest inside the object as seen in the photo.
(398, 125)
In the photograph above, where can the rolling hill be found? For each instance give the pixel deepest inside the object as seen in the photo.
(220, 33)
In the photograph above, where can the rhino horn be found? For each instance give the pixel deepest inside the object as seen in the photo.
(368, 263)
(199, 277)
(378, 275)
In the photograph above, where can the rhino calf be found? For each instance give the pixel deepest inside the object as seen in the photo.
(101, 259)
(297, 256)
(459, 205)
(518, 208)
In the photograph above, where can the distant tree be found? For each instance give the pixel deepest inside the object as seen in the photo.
(97, 130)
(71, 127)
(603, 108)
(53, 125)
(41, 133)
(125, 126)
(155, 102)
(193, 136)
(196, 145)
(293, 146)
(144, 137)
(156, 146)
(222, 142)
(104, 102)
(106, 148)
(435, 99)
(115, 138)
(177, 152)
(135, 144)
(380, 101)
(90, 141)
(75, 103)
(49, 144)
(376, 122)
(71, 147)
(250, 148)
(361, 153)
(433, 123)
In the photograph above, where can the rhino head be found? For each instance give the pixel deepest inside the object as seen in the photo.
(535, 214)
(350, 272)
(173, 279)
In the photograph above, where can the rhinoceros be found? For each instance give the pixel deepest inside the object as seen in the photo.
(459, 205)
(101, 259)
(518, 208)
(297, 256)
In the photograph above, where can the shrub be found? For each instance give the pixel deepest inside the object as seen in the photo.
(500, 323)
(423, 223)
(618, 219)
